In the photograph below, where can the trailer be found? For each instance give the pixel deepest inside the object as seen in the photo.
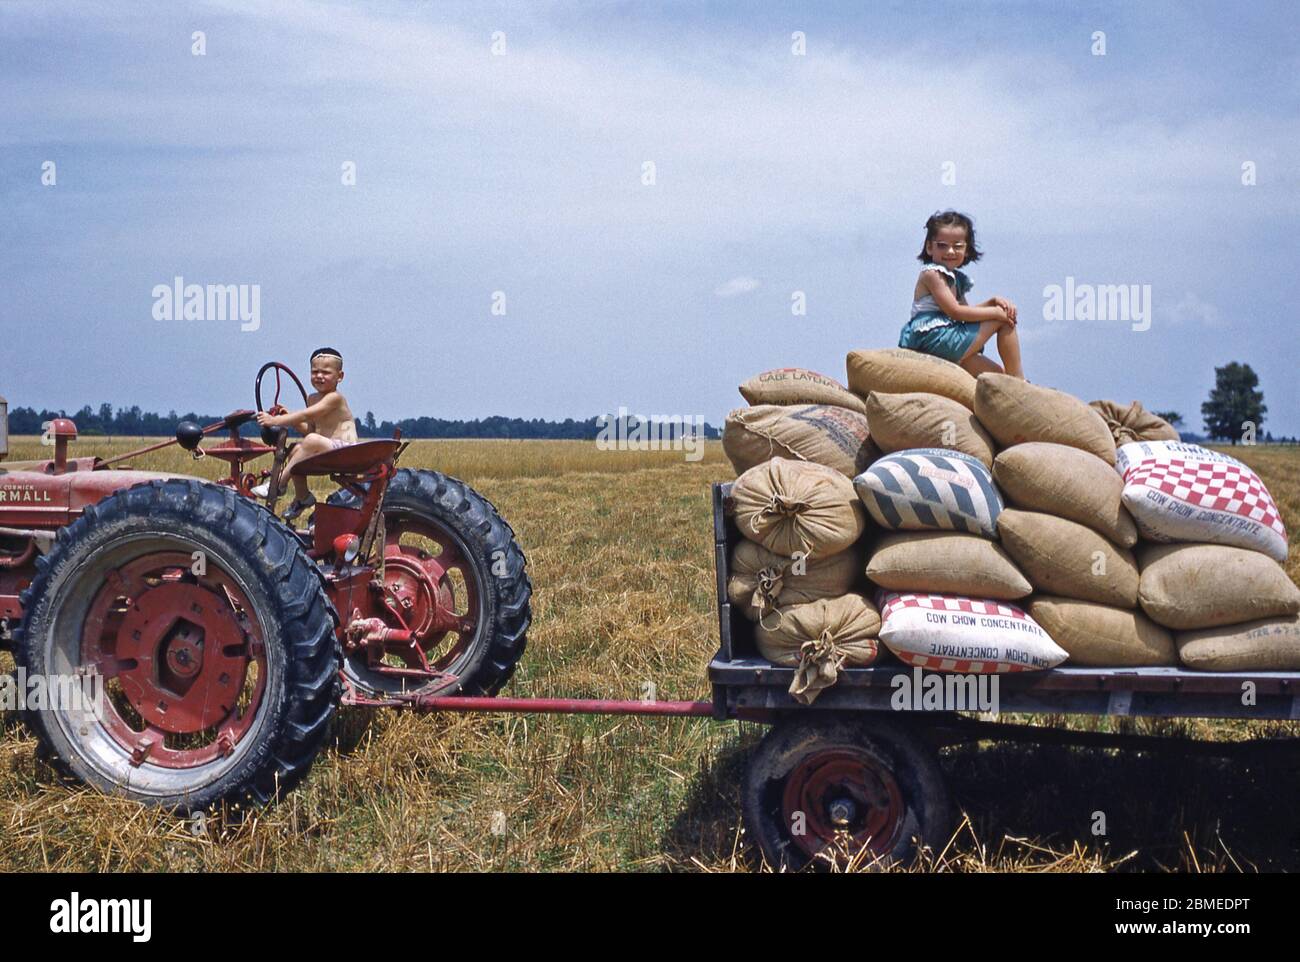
(856, 773)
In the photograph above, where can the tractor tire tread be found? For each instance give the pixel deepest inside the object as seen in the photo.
(288, 578)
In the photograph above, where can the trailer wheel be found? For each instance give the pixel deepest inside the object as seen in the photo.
(834, 792)
(193, 645)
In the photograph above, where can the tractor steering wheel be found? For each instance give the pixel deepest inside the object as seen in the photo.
(257, 384)
(276, 437)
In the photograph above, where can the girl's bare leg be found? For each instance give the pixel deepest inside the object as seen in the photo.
(972, 360)
(978, 364)
(1009, 351)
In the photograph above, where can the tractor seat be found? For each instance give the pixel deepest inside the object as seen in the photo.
(353, 459)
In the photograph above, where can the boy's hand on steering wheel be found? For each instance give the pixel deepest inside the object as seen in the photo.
(267, 420)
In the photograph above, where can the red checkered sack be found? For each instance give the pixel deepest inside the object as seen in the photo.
(1184, 492)
(965, 635)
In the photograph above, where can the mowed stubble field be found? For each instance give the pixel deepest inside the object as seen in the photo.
(620, 553)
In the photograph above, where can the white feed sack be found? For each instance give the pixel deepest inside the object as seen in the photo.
(1184, 492)
(964, 635)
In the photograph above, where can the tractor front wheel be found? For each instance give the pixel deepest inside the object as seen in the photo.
(452, 564)
(186, 645)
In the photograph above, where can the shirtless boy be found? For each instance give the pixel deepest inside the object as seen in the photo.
(325, 423)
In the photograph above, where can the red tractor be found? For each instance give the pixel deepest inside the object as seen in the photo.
(221, 639)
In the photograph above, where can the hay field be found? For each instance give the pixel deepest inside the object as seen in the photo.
(619, 548)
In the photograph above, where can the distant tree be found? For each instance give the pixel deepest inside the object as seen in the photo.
(371, 427)
(1173, 417)
(1233, 402)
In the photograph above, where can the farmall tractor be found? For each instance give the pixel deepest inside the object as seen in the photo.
(223, 640)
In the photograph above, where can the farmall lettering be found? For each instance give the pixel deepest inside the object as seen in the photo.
(25, 494)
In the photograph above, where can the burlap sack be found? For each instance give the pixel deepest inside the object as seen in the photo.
(1066, 482)
(1099, 636)
(761, 580)
(820, 433)
(1065, 558)
(946, 562)
(1272, 644)
(798, 385)
(820, 638)
(896, 370)
(1133, 423)
(901, 421)
(1191, 586)
(1015, 411)
(788, 506)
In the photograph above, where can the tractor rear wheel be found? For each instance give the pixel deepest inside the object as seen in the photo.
(455, 564)
(206, 631)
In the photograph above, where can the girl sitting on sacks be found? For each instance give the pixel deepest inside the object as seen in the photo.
(942, 323)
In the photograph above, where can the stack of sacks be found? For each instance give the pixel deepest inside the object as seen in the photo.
(795, 570)
(800, 415)
(1021, 527)
(1211, 563)
(917, 401)
(1068, 530)
(945, 587)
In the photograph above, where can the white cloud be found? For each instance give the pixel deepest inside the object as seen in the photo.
(735, 286)
(1192, 310)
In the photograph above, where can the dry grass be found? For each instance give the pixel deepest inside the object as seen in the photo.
(619, 547)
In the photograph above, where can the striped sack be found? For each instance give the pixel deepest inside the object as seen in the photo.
(931, 489)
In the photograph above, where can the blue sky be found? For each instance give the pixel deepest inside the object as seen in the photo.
(522, 173)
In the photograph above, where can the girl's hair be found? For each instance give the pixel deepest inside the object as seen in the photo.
(950, 218)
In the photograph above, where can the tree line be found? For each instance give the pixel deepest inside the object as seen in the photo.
(132, 421)
(1234, 412)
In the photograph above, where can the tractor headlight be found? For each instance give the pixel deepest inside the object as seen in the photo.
(346, 547)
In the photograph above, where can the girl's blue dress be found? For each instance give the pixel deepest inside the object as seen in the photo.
(931, 331)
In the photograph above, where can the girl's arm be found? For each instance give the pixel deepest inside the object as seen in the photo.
(948, 303)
